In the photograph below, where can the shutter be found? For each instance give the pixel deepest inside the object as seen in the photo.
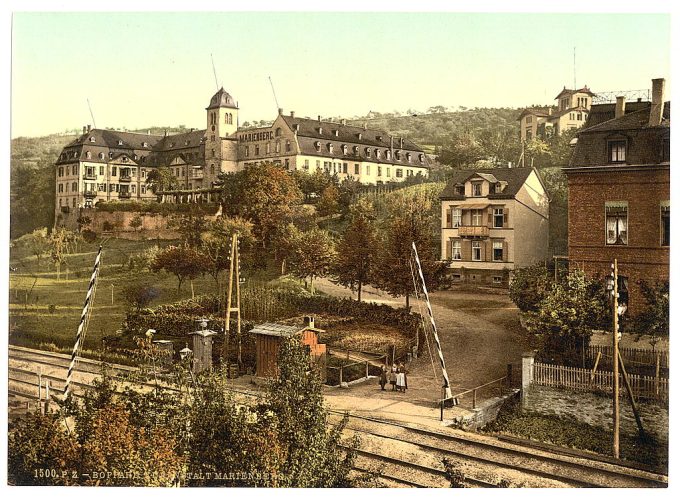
(489, 217)
(487, 248)
(505, 217)
(448, 248)
(466, 250)
(505, 250)
(448, 218)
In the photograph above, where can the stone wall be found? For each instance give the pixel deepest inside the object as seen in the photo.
(154, 226)
(596, 409)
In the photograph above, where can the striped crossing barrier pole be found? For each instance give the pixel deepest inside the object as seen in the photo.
(447, 385)
(83, 322)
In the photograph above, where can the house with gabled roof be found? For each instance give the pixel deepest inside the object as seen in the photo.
(493, 221)
(571, 112)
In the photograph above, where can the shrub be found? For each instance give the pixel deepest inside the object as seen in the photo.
(88, 235)
(529, 286)
(654, 320)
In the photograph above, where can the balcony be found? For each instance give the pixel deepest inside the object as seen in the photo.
(90, 176)
(124, 195)
(196, 175)
(125, 178)
(90, 194)
(473, 231)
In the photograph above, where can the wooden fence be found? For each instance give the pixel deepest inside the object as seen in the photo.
(632, 356)
(581, 379)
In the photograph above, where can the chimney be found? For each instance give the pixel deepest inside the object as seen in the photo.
(319, 118)
(292, 114)
(620, 106)
(309, 321)
(343, 121)
(656, 112)
(365, 125)
(88, 128)
(280, 111)
(84, 128)
(549, 111)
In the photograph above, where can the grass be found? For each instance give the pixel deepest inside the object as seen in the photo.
(46, 310)
(569, 432)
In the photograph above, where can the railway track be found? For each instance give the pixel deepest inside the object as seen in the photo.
(414, 455)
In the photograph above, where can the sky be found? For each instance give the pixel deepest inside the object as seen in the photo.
(143, 69)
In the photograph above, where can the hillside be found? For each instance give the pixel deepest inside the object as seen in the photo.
(32, 182)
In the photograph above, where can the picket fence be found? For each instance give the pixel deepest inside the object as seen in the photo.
(644, 387)
(632, 356)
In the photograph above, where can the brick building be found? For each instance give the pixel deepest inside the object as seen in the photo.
(619, 193)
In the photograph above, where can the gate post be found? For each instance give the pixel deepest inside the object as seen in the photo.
(527, 375)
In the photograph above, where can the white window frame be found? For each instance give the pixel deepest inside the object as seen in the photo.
(476, 247)
(497, 244)
(456, 250)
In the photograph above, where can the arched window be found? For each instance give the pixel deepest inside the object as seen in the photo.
(278, 146)
(356, 149)
(330, 147)
(368, 152)
(317, 144)
(377, 153)
(421, 157)
(212, 169)
(277, 133)
(344, 149)
(101, 155)
(68, 169)
(287, 145)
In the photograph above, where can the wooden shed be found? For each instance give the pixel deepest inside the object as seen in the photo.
(268, 338)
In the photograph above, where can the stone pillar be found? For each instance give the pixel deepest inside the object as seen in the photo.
(527, 375)
(202, 350)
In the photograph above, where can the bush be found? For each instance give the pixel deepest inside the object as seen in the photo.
(529, 286)
(88, 235)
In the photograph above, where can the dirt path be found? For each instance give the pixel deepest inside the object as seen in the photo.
(480, 334)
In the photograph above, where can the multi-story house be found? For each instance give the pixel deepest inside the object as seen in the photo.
(112, 165)
(619, 194)
(571, 112)
(493, 221)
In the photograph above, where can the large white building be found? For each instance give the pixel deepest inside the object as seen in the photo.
(108, 165)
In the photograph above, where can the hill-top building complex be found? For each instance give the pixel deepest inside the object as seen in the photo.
(572, 110)
(108, 165)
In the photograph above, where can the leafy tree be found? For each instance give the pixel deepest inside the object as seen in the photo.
(462, 150)
(529, 286)
(412, 217)
(37, 243)
(567, 315)
(262, 194)
(159, 179)
(313, 254)
(139, 295)
(654, 319)
(285, 244)
(62, 242)
(191, 227)
(329, 202)
(183, 262)
(142, 260)
(216, 243)
(358, 249)
(311, 455)
(136, 222)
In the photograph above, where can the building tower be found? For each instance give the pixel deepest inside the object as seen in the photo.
(221, 126)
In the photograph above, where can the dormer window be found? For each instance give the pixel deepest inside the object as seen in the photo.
(186, 142)
(368, 152)
(330, 147)
(120, 142)
(617, 151)
(145, 144)
(317, 144)
(320, 131)
(379, 138)
(110, 155)
(172, 144)
(335, 132)
(498, 188)
(277, 133)
(356, 149)
(101, 155)
(377, 153)
(477, 189)
(359, 135)
(421, 157)
(75, 154)
(408, 156)
(88, 154)
(388, 155)
(92, 139)
(344, 149)
(397, 155)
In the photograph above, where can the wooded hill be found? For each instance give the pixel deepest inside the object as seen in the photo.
(32, 182)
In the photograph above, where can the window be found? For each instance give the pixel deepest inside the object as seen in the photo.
(476, 250)
(377, 153)
(74, 186)
(344, 149)
(476, 217)
(498, 250)
(455, 250)
(212, 169)
(61, 171)
(460, 189)
(616, 214)
(114, 171)
(247, 151)
(287, 163)
(528, 119)
(278, 146)
(368, 152)
(344, 167)
(477, 189)
(61, 187)
(257, 150)
(617, 151)
(120, 142)
(91, 140)
(356, 169)
(498, 217)
(388, 172)
(74, 202)
(101, 170)
(277, 133)
(665, 224)
(287, 145)
(318, 164)
(497, 280)
(88, 155)
(498, 188)
(399, 173)
(101, 187)
(306, 166)
(368, 169)
(133, 188)
(143, 188)
(379, 170)
(456, 217)
(68, 171)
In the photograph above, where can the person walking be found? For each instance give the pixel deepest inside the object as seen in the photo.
(383, 378)
(393, 377)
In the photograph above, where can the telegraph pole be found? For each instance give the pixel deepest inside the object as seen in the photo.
(234, 279)
(615, 354)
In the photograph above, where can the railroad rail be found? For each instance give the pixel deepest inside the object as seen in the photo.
(560, 465)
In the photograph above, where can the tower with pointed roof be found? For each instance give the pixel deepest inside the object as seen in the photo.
(220, 132)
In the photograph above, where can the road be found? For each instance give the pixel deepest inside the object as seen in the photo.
(479, 332)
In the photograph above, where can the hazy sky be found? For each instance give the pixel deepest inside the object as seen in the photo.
(144, 69)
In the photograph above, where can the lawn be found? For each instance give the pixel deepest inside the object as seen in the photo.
(44, 310)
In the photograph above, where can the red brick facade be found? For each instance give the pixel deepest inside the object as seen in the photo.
(643, 257)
